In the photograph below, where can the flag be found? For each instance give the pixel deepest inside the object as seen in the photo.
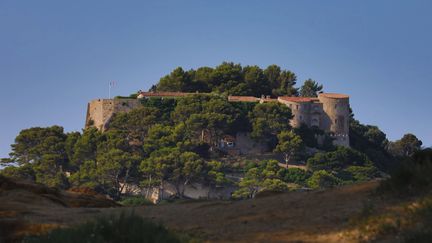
(112, 83)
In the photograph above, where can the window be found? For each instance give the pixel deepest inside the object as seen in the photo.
(335, 121)
(335, 106)
(297, 107)
(301, 117)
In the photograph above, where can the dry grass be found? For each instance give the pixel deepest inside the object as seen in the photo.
(344, 214)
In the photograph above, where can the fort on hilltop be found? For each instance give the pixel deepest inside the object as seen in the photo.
(328, 111)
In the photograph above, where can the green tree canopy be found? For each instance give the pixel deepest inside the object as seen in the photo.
(338, 159)
(268, 120)
(323, 179)
(289, 144)
(406, 146)
(44, 150)
(310, 88)
(205, 116)
(231, 79)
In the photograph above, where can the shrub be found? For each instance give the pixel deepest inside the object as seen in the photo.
(337, 160)
(322, 179)
(242, 193)
(122, 228)
(294, 175)
(411, 176)
(135, 201)
(362, 173)
(274, 185)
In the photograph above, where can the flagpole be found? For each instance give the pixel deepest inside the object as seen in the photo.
(109, 90)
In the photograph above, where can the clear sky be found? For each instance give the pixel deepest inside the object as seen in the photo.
(55, 56)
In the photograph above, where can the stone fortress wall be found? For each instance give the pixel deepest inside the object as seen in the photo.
(329, 111)
(100, 111)
(336, 117)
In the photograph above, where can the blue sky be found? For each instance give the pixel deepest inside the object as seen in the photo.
(55, 56)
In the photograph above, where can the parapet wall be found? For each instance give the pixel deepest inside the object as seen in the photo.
(100, 111)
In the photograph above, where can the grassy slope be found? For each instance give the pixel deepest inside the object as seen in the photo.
(333, 215)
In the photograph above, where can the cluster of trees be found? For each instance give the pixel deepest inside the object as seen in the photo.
(165, 140)
(373, 142)
(233, 79)
(341, 166)
(177, 140)
(268, 175)
(324, 169)
(407, 146)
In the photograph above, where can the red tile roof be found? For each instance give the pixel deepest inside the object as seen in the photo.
(297, 99)
(334, 95)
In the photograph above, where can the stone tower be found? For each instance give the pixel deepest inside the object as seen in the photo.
(335, 118)
(100, 111)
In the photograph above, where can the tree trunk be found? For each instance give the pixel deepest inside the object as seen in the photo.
(161, 189)
(209, 190)
(117, 184)
(287, 158)
(149, 186)
(184, 187)
(125, 180)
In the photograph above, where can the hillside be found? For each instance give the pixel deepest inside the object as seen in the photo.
(318, 216)
(22, 203)
(353, 213)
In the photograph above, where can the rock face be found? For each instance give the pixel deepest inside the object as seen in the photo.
(191, 191)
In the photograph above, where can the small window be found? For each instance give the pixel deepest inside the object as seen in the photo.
(301, 117)
(336, 106)
(297, 107)
(335, 121)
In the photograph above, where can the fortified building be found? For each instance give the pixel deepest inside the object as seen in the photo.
(329, 111)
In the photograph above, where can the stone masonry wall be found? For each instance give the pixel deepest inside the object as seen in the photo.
(336, 118)
(100, 111)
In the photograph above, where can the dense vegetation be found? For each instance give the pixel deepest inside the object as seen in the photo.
(408, 189)
(177, 141)
(233, 79)
(122, 228)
